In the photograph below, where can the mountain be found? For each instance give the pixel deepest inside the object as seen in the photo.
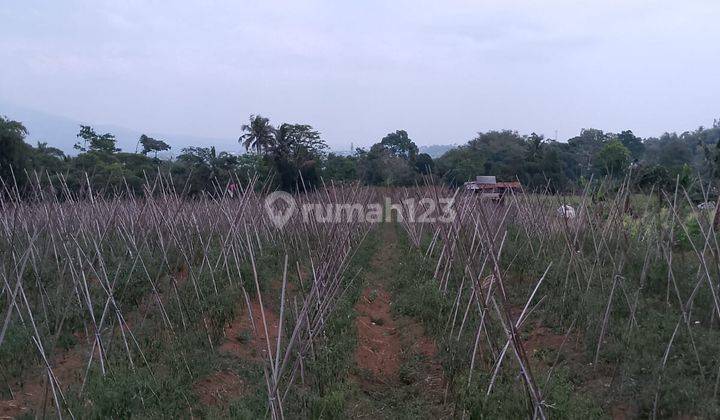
(61, 132)
(436, 150)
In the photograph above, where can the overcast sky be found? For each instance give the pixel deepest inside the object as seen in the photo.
(441, 70)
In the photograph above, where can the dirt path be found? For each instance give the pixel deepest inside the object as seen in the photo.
(396, 368)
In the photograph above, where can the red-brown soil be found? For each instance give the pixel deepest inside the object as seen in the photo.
(248, 342)
(542, 338)
(67, 366)
(385, 343)
(219, 388)
(243, 341)
(394, 357)
(379, 347)
(431, 374)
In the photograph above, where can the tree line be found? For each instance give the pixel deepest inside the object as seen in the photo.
(295, 157)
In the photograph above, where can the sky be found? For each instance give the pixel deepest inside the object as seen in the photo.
(441, 70)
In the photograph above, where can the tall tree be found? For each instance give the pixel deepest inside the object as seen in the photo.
(400, 145)
(258, 134)
(46, 158)
(535, 143)
(93, 142)
(424, 163)
(150, 144)
(613, 158)
(381, 166)
(586, 146)
(13, 149)
(292, 139)
(633, 143)
(296, 151)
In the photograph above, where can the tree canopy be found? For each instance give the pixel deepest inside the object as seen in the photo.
(295, 157)
(150, 144)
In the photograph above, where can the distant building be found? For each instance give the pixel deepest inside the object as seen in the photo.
(488, 187)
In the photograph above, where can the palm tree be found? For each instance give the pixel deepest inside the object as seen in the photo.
(258, 134)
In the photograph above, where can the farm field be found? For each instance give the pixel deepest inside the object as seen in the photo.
(359, 210)
(165, 306)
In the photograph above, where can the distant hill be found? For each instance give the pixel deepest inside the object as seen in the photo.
(61, 132)
(437, 150)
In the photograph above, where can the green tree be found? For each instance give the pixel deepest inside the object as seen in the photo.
(340, 168)
(613, 159)
(424, 163)
(685, 176)
(633, 143)
(258, 134)
(43, 148)
(47, 159)
(535, 146)
(670, 150)
(504, 153)
(14, 151)
(369, 165)
(460, 164)
(381, 166)
(90, 141)
(551, 168)
(204, 169)
(585, 148)
(400, 145)
(296, 151)
(653, 177)
(150, 144)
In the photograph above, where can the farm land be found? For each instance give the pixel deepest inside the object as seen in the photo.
(165, 306)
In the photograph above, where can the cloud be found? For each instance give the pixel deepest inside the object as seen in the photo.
(356, 70)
